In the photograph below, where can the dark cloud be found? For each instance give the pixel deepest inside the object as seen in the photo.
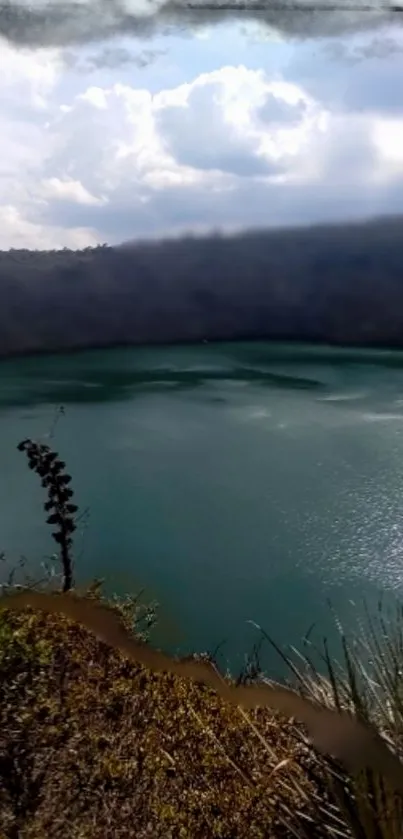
(378, 48)
(66, 23)
(109, 58)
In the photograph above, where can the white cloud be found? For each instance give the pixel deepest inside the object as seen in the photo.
(96, 97)
(240, 138)
(230, 147)
(16, 231)
(27, 77)
(28, 82)
(69, 190)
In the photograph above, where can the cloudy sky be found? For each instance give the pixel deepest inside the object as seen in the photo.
(221, 122)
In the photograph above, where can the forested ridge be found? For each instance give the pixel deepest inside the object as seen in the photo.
(340, 284)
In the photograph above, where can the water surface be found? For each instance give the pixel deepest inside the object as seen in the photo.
(233, 482)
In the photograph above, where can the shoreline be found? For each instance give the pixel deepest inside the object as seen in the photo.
(291, 343)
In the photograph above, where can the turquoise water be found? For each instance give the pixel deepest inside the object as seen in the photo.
(234, 483)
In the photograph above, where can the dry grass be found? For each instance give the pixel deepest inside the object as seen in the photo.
(92, 745)
(368, 682)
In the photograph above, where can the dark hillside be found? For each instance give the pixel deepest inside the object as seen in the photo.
(338, 284)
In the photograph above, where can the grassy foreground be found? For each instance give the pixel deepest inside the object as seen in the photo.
(92, 745)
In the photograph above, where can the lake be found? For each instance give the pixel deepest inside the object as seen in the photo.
(232, 482)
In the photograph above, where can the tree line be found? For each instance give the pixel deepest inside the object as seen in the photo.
(339, 284)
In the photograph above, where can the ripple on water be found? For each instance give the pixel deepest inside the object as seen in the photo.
(343, 397)
(381, 417)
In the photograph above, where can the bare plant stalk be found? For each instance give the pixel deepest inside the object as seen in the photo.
(55, 480)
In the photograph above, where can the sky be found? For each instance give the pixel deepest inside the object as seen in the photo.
(112, 131)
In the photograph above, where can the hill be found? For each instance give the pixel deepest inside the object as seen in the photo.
(340, 284)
